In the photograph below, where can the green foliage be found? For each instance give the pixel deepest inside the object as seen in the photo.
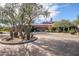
(48, 31)
(21, 14)
(63, 23)
(4, 29)
(76, 22)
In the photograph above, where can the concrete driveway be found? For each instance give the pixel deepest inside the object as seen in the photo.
(47, 44)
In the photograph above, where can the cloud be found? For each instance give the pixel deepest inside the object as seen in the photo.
(52, 8)
(53, 11)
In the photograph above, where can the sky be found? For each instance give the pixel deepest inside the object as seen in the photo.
(59, 11)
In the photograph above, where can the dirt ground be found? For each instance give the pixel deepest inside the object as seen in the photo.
(47, 44)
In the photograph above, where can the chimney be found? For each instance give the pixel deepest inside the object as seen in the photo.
(51, 20)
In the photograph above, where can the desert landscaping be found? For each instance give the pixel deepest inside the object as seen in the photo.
(47, 44)
(35, 29)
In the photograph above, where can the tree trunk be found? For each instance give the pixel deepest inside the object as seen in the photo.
(68, 29)
(28, 36)
(11, 34)
(16, 34)
(21, 31)
(27, 32)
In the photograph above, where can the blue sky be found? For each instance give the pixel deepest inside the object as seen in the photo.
(69, 12)
(61, 11)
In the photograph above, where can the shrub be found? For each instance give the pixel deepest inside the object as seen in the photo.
(72, 31)
(4, 29)
(47, 30)
(1, 32)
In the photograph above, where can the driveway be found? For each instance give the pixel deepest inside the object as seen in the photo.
(47, 44)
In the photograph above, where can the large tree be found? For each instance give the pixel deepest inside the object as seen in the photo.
(10, 12)
(22, 14)
(29, 12)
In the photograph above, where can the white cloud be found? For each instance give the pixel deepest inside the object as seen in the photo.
(52, 8)
(53, 11)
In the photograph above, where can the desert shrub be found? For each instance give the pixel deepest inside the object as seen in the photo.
(72, 31)
(1, 32)
(4, 29)
(47, 30)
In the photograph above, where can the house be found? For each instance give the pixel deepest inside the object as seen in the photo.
(41, 27)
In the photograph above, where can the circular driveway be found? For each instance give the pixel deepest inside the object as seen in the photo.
(47, 44)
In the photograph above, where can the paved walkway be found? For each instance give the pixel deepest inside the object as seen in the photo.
(48, 44)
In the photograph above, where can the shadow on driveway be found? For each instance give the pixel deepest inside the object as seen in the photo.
(57, 47)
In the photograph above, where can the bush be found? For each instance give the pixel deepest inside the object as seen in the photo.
(4, 29)
(46, 30)
(1, 32)
(72, 31)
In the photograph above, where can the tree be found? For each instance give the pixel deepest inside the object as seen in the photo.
(22, 14)
(32, 11)
(11, 14)
(63, 24)
(76, 22)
